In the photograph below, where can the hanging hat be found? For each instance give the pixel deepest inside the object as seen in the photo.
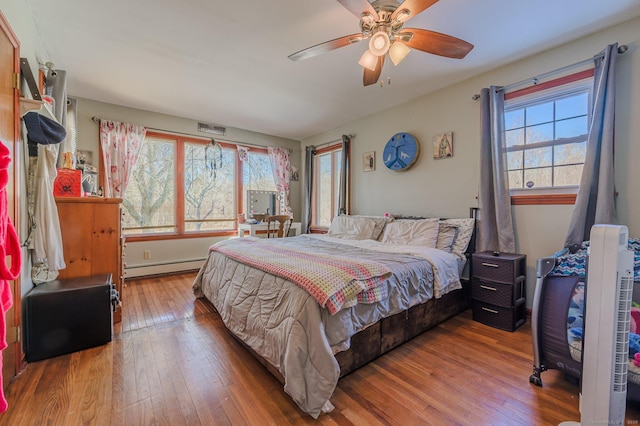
(43, 130)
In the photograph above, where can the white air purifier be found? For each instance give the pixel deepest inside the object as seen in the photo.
(605, 352)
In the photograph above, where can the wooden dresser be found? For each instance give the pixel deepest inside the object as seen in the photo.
(92, 239)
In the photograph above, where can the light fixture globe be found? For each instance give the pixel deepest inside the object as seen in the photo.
(379, 43)
(368, 60)
(398, 51)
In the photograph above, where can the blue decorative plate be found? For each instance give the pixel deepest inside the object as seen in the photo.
(400, 152)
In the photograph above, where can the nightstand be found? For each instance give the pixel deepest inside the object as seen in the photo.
(498, 289)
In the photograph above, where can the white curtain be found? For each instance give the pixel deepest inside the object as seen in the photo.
(595, 202)
(121, 143)
(281, 174)
(495, 224)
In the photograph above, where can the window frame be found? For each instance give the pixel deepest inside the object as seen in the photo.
(565, 195)
(181, 233)
(333, 149)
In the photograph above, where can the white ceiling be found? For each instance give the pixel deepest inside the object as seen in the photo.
(226, 62)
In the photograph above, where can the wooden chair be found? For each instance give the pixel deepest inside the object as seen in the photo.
(281, 225)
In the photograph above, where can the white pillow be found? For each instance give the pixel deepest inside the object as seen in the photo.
(351, 228)
(465, 231)
(447, 234)
(412, 232)
(380, 222)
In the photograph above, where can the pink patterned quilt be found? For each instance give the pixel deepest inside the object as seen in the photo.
(334, 282)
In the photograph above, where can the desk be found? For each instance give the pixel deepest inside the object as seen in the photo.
(247, 227)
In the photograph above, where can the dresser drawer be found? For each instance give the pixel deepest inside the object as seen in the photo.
(504, 268)
(493, 292)
(498, 316)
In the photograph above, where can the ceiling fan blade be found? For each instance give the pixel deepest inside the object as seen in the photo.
(358, 7)
(435, 43)
(325, 47)
(413, 6)
(371, 77)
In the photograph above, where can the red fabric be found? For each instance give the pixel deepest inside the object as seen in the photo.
(9, 246)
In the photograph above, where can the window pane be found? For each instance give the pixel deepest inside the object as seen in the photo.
(538, 157)
(567, 175)
(572, 106)
(149, 200)
(209, 190)
(337, 166)
(571, 127)
(570, 153)
(324, 190)
(540, 133)
(514, 119)
(538, 178)
(541, 113)
(514, 160)
(514, 137)
(515, 179)
(257, 175)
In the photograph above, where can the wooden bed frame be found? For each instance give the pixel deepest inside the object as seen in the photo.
(390, 332)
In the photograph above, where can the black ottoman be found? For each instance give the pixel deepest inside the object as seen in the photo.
(68, 315)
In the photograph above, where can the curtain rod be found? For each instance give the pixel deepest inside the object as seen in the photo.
(330, 142)
(97, 119)
(621, 49)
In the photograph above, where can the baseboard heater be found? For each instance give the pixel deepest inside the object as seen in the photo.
(172, 262)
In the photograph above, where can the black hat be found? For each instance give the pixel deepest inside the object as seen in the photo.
(43, 130)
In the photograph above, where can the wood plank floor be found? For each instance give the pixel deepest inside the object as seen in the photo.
(171, 362)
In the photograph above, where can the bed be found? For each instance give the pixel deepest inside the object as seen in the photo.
(279, 300)
(557, 315)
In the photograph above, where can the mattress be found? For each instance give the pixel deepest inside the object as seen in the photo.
(287, 327)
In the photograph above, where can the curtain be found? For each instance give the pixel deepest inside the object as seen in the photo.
(495, 225)
(344, 173)
(307, 189)
(120, 143)
(281, 174)
(595, 202)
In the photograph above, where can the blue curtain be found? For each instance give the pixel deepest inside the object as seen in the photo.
(495, 225)
(595, 202)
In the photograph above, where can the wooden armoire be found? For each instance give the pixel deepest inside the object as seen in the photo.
(92, 239)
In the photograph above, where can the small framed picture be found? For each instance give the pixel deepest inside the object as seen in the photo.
(443, 145)
(369, 161)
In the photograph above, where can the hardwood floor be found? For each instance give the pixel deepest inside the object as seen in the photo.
(171, 362)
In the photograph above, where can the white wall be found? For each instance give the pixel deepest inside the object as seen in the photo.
(448, 187)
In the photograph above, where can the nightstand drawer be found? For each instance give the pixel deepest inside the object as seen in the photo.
(492, 292)
(497, 316)
(501, 268)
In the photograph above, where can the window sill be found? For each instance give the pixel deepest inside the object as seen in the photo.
(548, 199)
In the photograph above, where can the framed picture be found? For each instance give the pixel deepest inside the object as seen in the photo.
(443, 145)
(369, 161)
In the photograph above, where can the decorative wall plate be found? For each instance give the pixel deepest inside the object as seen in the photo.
(400, 152)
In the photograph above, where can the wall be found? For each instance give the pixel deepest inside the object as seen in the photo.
(172, 255)
(448, 187)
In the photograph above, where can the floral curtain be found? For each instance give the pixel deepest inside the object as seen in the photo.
(281, 174)
(121, 143)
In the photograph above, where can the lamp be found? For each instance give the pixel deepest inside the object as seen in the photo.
(379, 43)
(398, 51)
(368, 60)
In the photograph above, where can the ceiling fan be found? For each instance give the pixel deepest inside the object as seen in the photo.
(382, 21)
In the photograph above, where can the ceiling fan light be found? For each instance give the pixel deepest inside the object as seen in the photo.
(368, 60)
(379, 43)
(398, 51)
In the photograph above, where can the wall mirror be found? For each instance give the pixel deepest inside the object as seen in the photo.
(261, 202)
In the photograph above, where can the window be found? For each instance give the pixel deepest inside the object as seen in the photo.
(546, 128)
(183, 186)
(328, 166)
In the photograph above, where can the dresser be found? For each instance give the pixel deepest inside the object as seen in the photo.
(498, 292)
(92, 239)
